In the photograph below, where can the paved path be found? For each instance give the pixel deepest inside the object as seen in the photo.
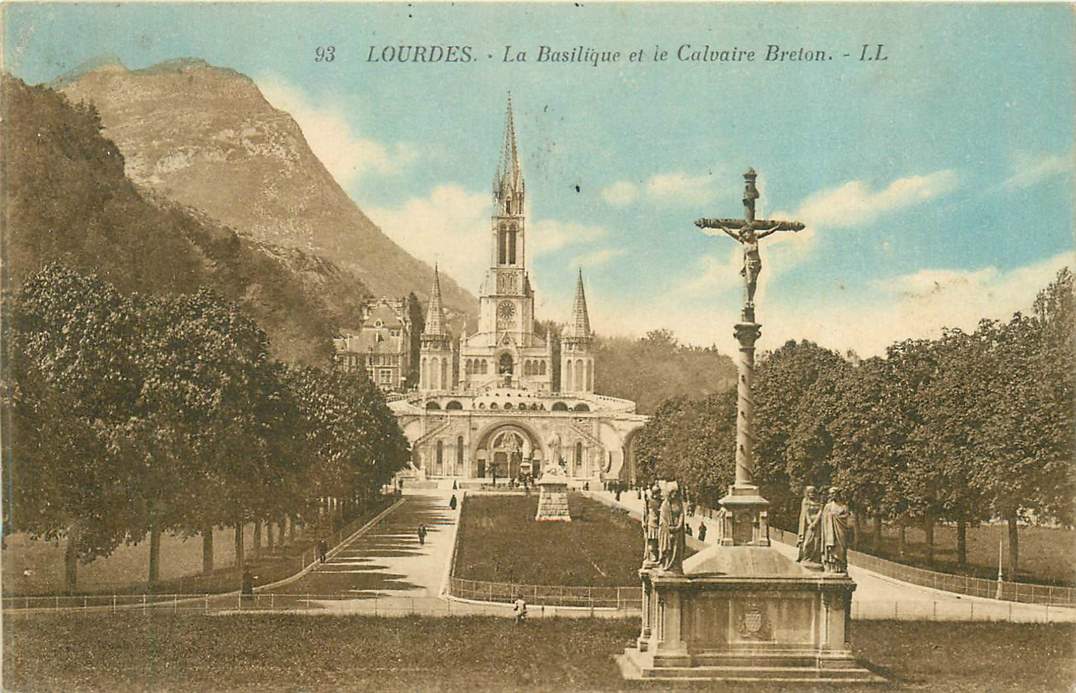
(388, 560)
(881, 597)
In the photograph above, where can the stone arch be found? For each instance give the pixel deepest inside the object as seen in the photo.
(578, 375)
(568, 375)
(431, 405)
(454, 405)
(560, 406)
(581, 407)
(505, 363)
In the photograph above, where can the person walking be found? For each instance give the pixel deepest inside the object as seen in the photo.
(702, 531)
(422, 535)
(452, 502)
(322, 551)
(519, 607)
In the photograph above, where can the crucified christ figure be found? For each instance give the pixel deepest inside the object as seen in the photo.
(748, 232)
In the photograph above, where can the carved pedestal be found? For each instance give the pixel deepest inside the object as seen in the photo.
(745, 613)
(552, 499)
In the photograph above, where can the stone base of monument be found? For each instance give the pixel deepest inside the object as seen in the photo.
(745, 613)
(552, 500)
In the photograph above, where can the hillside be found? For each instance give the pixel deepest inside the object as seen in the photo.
(66, 198)
(184, 126)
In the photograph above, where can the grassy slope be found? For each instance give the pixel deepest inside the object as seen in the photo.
(500, 541)
(429, 654)
(1047, 555)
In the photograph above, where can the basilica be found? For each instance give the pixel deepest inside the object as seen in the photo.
(506, 400)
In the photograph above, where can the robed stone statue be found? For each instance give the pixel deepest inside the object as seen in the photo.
(835, 517)
(672, 542)
(809, 537)
(651, 524)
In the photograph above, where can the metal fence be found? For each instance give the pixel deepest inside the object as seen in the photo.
(339, 604)
(619, 598)
(1023, 592)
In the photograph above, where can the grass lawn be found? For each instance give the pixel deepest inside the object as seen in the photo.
(500, 541)
(1047, 555)
(126, 570)
(283, 652)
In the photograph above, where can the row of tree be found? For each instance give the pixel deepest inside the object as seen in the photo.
(964, 428)
(132, 415)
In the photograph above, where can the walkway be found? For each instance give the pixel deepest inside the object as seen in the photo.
(881, 597)
(388, 560)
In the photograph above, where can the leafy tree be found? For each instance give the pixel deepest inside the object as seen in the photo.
(70, 381)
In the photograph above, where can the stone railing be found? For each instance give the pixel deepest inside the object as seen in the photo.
(619, 598)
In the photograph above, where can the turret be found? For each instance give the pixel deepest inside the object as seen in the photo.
(576, 357)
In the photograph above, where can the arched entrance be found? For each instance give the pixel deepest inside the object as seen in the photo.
(505, 364)
(508, 449)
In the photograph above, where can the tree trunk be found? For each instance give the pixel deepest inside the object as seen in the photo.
(877, 532)
(154, 554)
(257, 539)
(1014, 548)
(857, 518)
(902, 537)
(71, 561)
(961, 543)
(239, 558)
(207, 551)
(928, 530)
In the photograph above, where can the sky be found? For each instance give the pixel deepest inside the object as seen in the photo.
(936, 185)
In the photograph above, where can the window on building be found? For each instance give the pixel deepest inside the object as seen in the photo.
(384, 376)
(560, 406)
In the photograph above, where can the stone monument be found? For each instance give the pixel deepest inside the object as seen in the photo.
(553, 488)
(741, 610)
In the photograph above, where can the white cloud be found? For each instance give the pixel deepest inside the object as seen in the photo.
(680, 188)
(621, 193)
(854, 203)
(916, 305)
(449, 226)
(667, 189)
(1029, 170)
(550, 235)
(345, 153)
(596, 257)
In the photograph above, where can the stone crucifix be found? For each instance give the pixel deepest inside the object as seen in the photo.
(748, 232)
(744, 522)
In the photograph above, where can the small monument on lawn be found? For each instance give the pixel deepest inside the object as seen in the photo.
(741, 610)
(553, 487)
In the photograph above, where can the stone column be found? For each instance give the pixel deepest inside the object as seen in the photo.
(746, 507)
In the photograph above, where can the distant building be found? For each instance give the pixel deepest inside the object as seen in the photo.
(381, 347)
(489, 404)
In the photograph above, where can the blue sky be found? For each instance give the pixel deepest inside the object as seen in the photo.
(936, 186)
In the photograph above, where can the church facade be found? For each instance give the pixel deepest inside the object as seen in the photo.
(501, 401)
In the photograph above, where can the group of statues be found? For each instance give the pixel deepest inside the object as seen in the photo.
(664, 522)
(822, 538)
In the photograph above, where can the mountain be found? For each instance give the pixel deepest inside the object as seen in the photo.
(65, 198)
(185, 127)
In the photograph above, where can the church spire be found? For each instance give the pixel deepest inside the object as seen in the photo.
(508, 183)
(579, 327)
(435, 314)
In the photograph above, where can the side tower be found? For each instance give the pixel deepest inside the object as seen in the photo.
(576, 354)
(435, 359)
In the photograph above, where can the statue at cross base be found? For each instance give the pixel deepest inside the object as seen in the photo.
(748, 232)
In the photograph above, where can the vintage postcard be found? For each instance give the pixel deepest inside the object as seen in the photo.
(551, 346)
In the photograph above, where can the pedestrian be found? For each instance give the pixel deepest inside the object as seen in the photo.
(247, 586)
(702, 531)
(455, 486)
(452, 502)
(519, 607)
(617, 492)
(687, 529)
(422, 534)
(322, 551)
